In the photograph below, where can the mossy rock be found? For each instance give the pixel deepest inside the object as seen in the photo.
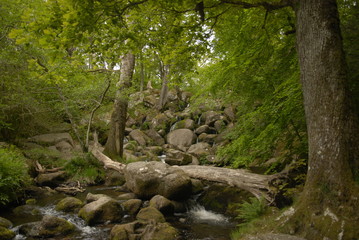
(54, 226)
(150, 214)
(132, 206)
(160, 231)
(6, 234)
(69, 204)
(222, 198)
(5, 223)
(103, 210)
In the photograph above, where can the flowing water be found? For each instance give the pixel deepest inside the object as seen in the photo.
(195, 224)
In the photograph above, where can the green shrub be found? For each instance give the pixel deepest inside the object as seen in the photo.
(248, 211)
(13, 174)
(85, 169)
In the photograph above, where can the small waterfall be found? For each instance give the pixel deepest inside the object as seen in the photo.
(199, 214)
(162, 158)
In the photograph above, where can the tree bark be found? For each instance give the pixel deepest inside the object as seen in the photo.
(330, 119)
(165, 70)
(114, 144)
(332, 125)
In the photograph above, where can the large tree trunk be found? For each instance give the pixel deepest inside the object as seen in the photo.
(114, 144)
(332, 126)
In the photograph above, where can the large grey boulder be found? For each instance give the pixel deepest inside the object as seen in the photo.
(181, 138)
(147, 179)
(105, 209)
(49, 226)
(52, 139)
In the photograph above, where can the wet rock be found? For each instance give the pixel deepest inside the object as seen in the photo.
(5, 223)
(52, 139)
(181, 138)
(105, 209)
(49, 226)
(162, 204)
(150, 214)
(69, 204)
(6, 234)
(51, 179)
(132, 206)
(26, 210)
(147, 179)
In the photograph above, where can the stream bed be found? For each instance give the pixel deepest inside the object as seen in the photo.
(196, 223)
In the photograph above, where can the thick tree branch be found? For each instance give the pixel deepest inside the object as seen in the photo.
(266, 5)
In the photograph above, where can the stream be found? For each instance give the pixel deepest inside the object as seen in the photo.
(195, 224)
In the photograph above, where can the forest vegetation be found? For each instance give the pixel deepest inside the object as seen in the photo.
(289, 68)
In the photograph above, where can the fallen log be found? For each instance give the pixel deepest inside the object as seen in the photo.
(256, 184)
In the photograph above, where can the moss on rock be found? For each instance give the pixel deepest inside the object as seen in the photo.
(6, 234)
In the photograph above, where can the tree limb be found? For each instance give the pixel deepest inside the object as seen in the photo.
(265, 4)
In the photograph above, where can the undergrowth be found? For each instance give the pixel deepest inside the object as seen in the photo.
(13, 174)
(86, 169)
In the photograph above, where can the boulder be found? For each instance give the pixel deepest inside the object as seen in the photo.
(147, 179)
(181, 138)
(126, 196)
(200, 149)
(64, 146)
(51, 179)
(69, 204)
(186, 123)
(114, 178)
(52, 139)
(49, 226)
(6, 234)
(5, 223)
(156, 150)
(159, 231)
(176, 157)
(162, 204)
(94, 197)
(141, 138)
(202, 129)
(220, 125)
(150, 214)
(161, 121)
(132, 206)
(155, 137)
(211, 117)
(105, 209)
(208, 138)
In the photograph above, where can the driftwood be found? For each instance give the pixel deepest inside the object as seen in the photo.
(107, 162)
(40, 169)
(70, 190)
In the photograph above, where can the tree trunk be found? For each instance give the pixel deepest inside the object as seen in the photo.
(165, 70)
(114, 144)
(331, 124)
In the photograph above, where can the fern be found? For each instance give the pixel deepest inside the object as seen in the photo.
(248, 211)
